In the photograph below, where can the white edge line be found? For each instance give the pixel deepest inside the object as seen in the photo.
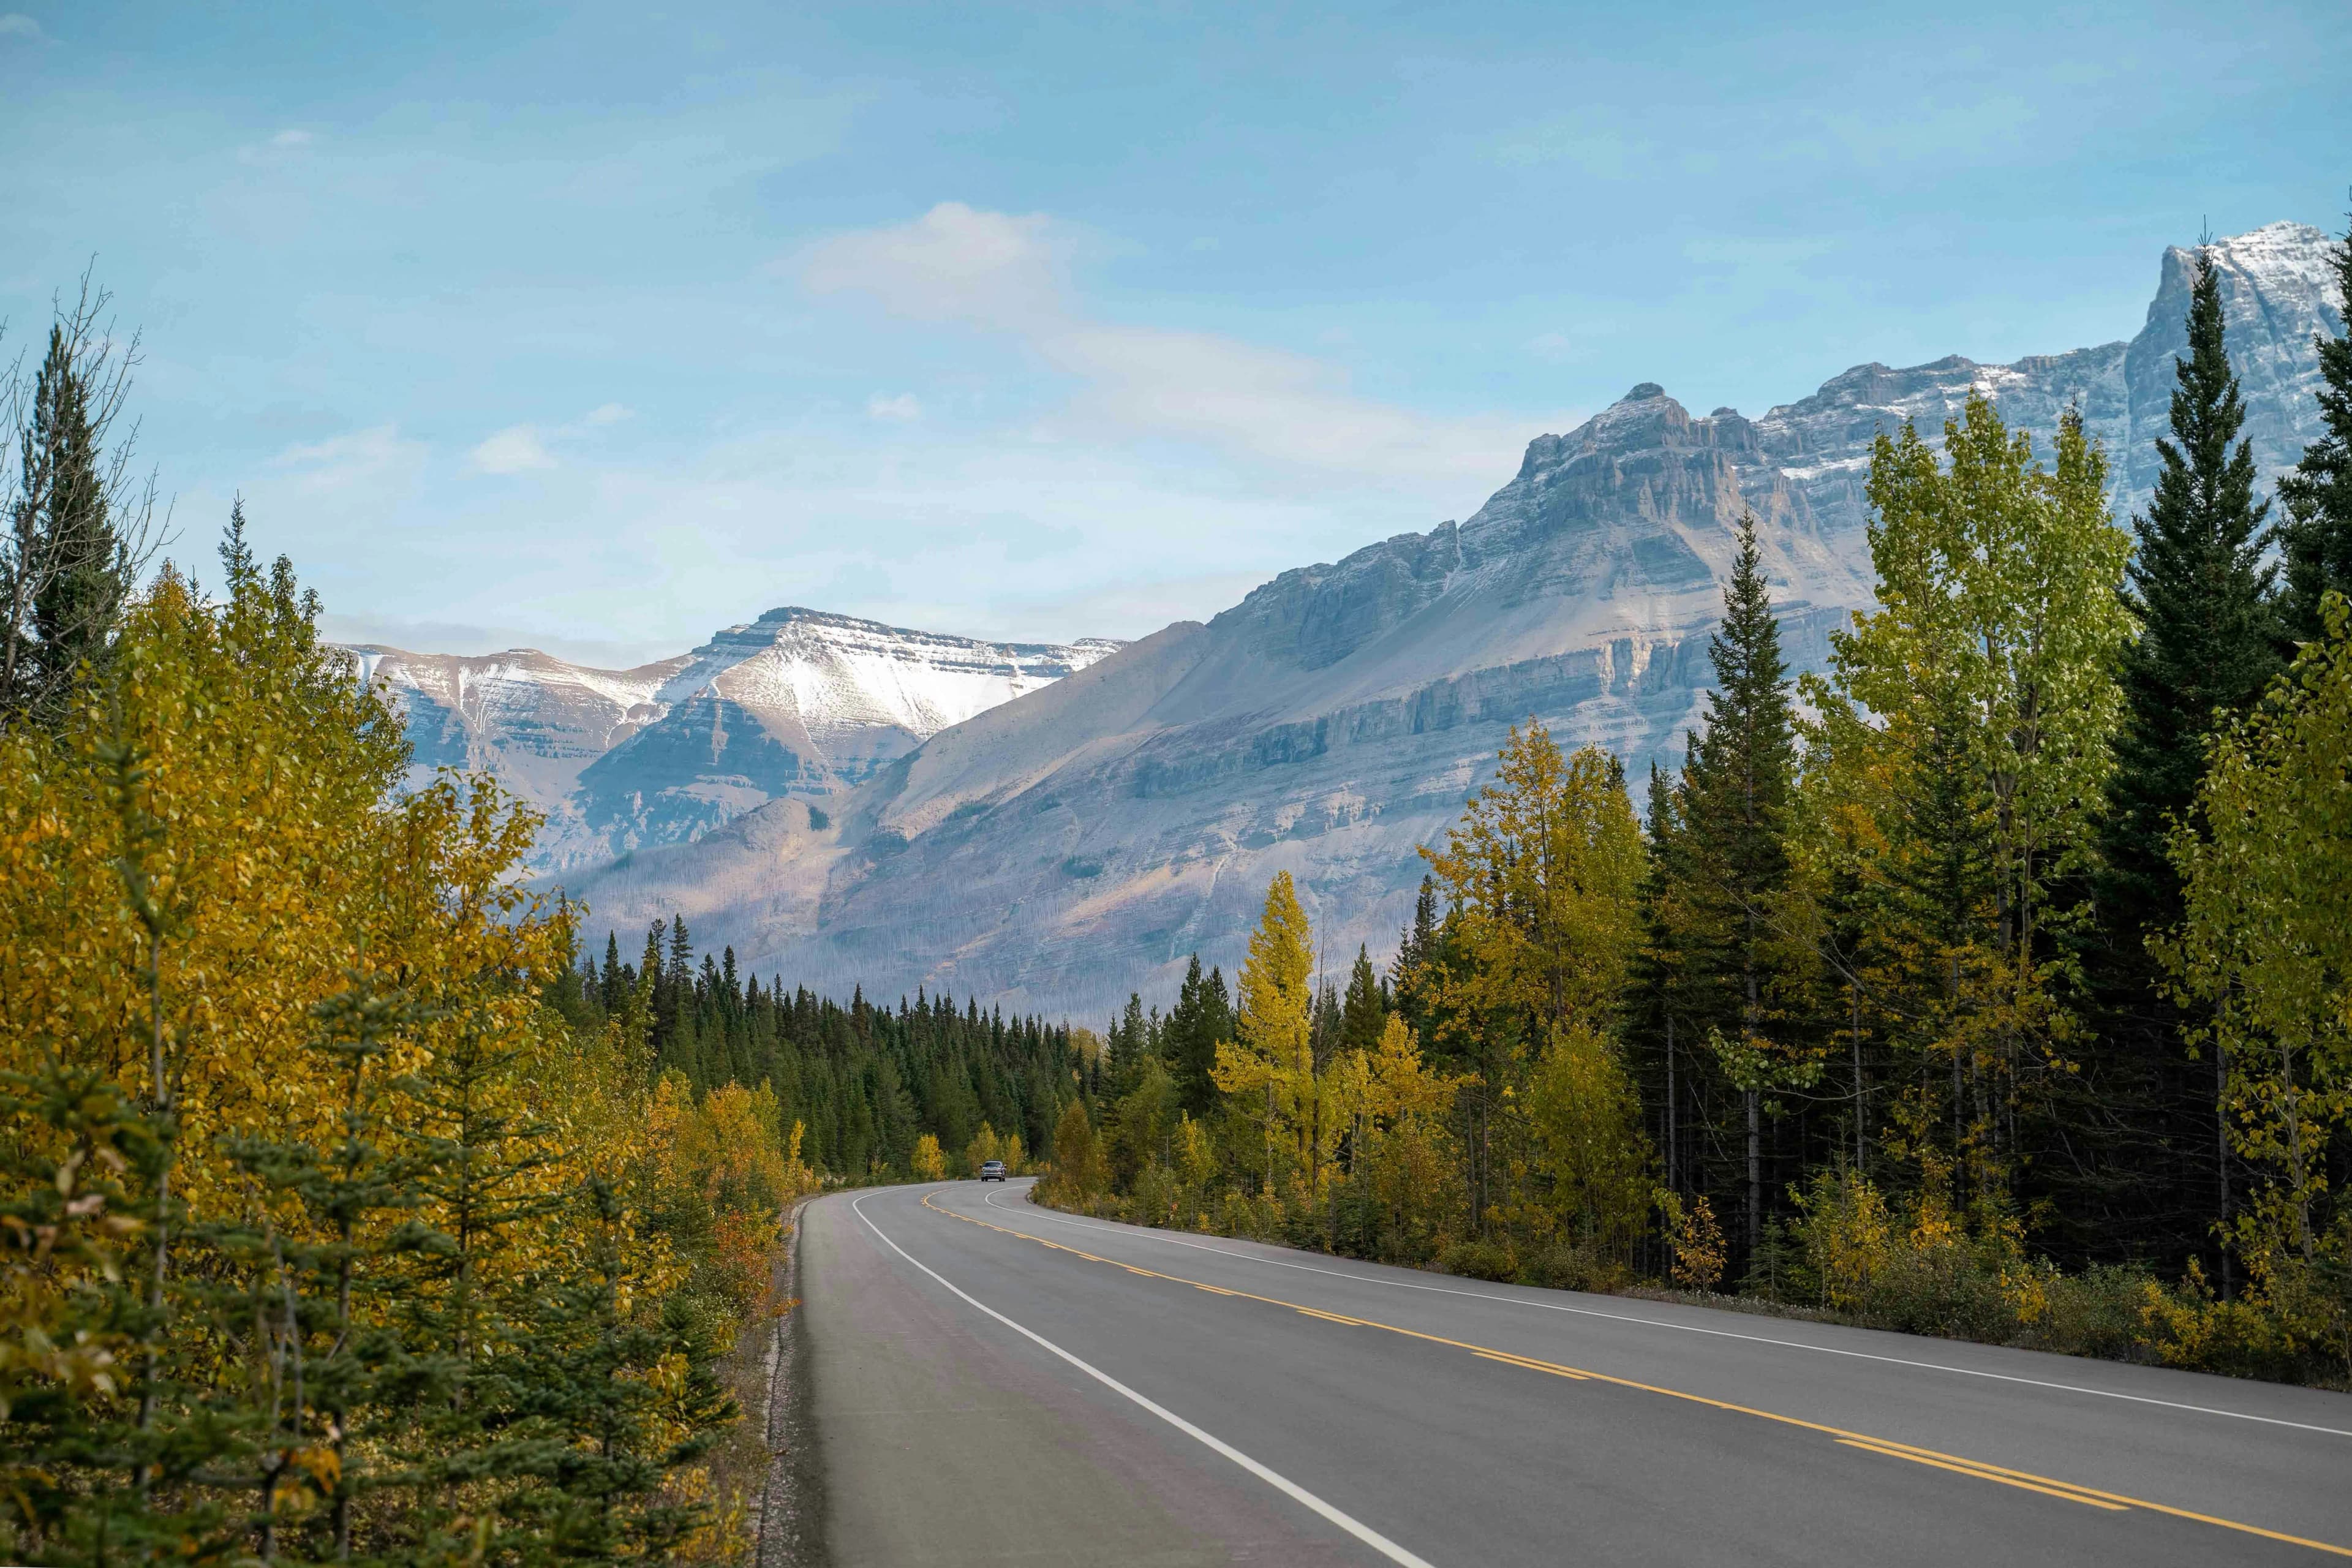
(1148, 1233)
(1290, 1489)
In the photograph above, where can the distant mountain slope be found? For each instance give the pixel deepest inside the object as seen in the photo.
(799, 702)
(1069, 846)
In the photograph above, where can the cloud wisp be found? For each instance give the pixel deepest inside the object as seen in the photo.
(1011, 275)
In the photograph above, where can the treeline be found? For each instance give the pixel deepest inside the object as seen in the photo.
(1995, 982)
(867, 1084)
(330, 1228)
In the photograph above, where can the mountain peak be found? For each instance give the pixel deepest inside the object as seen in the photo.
(1643, 393)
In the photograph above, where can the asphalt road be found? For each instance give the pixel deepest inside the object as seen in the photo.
(995, 1382)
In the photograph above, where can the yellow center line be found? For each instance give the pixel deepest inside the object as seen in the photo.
(2058, 1490)
(1335, 1318)
(2027, 1479)
(1517, 1361)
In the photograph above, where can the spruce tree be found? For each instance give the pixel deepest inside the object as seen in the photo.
(1416, 947)
(2203, 655)
(1199, 1021)
(66, 570)
(1736, 792)
(2316, 537)
(1363, 1011)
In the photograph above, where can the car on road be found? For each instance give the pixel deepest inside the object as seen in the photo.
(991, 1169)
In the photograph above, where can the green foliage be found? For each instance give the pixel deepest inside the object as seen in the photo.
(2265, 954)
(2204, 651)
(863, 1082)
(72, 549)
(2315, 539)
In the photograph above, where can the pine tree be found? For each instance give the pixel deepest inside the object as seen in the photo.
(2203, 655)
(2316, 537)
(1734, 798)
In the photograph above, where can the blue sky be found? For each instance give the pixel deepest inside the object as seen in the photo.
(595, 328)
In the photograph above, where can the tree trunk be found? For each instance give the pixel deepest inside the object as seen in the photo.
(1755, 1173)
(2221, 1164)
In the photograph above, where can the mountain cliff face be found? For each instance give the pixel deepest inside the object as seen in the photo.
(1062, 848)
(797, 703)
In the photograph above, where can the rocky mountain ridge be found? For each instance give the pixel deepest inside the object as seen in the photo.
(798, 703)
(1058, 850)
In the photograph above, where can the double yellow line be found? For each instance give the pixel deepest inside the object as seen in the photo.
(1886, 1448)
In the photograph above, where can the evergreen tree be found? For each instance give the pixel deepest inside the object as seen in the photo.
(2316, 537)
(1364, 1012)
(1416, 947)
(1323, 1028)
(2203, 658)
(1202, 1017)
(67, 569)
(1734, 798)
(1662, 1004)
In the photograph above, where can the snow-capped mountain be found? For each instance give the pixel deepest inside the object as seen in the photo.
(798, 702)
(1060, 849)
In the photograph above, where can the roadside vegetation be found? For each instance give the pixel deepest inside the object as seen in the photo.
(1995, 983)
(329, 1227)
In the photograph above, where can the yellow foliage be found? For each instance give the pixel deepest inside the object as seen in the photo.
(1544, 868)
(1586, 1117)
(1270, 1067)
(929, 1163)
(1698, 1240)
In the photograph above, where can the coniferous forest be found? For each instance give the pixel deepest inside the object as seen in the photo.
(1995, 982)
(876, 1091)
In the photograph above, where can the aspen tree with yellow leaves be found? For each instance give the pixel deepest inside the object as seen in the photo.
(322, 1233)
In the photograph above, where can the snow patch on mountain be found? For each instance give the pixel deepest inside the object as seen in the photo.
(799, 701)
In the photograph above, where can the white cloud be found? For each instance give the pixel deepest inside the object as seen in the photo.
(992, 270)
(292, 139)
(522, 449)
(1009, 274)
(513, 450)
(361, 455)
(902, 407)
(17, 25)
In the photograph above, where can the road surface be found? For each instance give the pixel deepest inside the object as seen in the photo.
(996, 1383)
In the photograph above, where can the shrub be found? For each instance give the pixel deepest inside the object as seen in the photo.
(1479, 1260)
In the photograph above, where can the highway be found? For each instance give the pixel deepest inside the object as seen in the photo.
(996, 1383)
